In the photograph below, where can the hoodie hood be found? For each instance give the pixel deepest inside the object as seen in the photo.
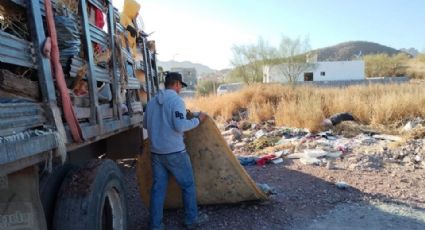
(160, 97)
(164, 95)
(131, 7)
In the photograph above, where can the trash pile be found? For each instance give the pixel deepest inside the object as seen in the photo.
(356, 148)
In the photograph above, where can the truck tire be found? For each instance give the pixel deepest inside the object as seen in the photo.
(49, 186)
(92, 197)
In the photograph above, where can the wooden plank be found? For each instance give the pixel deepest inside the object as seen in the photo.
(18, 85)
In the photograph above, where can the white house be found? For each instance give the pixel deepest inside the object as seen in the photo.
(321, 71)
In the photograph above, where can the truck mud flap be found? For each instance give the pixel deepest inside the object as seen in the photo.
(218, 174)
(20, 205)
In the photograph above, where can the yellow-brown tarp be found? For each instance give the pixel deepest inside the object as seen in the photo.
(219, 177)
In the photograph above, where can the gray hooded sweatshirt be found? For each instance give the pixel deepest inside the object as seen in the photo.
(165, 120)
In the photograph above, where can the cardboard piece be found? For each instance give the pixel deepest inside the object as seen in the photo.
(219, 177)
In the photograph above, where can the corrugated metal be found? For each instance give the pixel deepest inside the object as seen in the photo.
(120, 28)
(21, 115)
(98, 4)
(12, 151)
(99, 36)
(15, 51)
(133, 83)
(100, 73)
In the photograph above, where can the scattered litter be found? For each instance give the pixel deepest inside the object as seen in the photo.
(327, 135)
(334, 154)
(277, 160)
(267, 189)
(342, 185)
(314, 153)
(387, 137)
(337, 118)
(247, 161)
(330, 164)
(232, 124)
(412, 124)
(264, 159)
(260, 133)
(309, 160)
(281, 153)
(348, 145)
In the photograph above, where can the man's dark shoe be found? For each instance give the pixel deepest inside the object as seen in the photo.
(202, 219)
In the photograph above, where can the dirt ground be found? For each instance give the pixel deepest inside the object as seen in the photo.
(306, 197)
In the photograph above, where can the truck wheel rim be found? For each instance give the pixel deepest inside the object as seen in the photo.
(112, 211)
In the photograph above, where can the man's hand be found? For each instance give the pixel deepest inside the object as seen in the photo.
(202, 116)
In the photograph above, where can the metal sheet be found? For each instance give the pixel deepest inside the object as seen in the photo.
(98, 4)
(14, 50)
(11, 110)
(133, 83)
(99, 36)
(101, 74)
(28, 147)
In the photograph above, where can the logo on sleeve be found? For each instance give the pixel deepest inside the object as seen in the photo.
(179, 115)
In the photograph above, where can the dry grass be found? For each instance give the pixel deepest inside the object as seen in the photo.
(416, 68)
(307, 106)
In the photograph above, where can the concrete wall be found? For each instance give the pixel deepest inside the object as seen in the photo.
(190, 76)
(322, 71)
(367, 81)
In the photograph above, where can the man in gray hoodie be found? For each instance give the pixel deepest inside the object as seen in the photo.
(165, 120)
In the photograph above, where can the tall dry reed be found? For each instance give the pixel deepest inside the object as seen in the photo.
(306, 106)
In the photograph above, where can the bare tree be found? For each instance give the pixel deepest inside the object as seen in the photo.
(249, 60)
(293, 59)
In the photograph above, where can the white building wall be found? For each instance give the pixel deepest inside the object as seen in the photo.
(333, 71)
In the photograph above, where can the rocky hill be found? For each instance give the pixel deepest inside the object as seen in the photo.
(200, 68)
(352, 50)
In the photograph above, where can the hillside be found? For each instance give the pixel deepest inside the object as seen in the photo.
(352, 50)
(200, 68)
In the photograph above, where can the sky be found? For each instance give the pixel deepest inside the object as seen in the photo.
(204, 31)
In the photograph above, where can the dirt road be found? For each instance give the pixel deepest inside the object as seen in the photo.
(307, 198)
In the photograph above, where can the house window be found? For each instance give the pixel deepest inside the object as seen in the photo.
(308, 76)
(322, 74)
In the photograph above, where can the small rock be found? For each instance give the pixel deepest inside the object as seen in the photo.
(404, 180)
(418, 159)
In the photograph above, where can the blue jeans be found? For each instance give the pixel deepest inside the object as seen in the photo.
(178, 165)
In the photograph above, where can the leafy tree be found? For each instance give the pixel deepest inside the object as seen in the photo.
(206, 87)
(383, 65)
